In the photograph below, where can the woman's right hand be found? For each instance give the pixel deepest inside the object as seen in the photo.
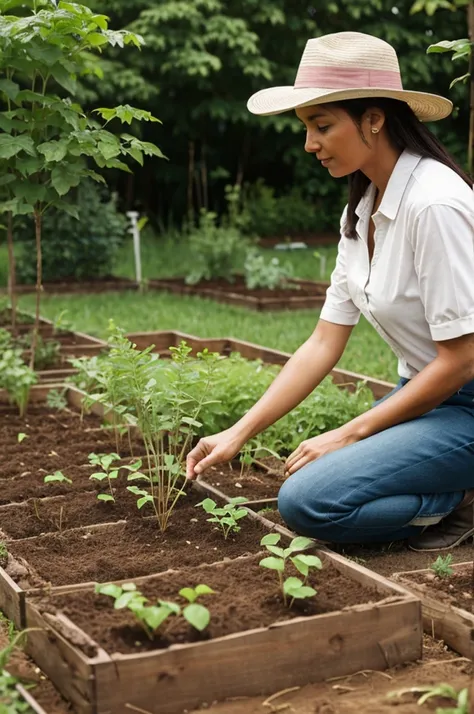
(212, 450)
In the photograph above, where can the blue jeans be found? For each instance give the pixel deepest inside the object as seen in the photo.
(391, 484)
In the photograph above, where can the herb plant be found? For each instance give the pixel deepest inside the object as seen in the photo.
(56, 400)
(16, 378)
(111, 473)
(292, 587)
(151, 617)
(227, 516)
(259, 272)
(58, 476)
(442, 566)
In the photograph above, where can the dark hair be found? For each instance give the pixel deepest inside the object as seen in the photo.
(406, 132)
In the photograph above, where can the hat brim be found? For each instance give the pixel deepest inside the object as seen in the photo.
(276, 100)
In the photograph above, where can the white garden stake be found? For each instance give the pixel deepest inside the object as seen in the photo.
(135, 231)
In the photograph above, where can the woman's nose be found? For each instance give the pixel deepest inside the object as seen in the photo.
(311, 145)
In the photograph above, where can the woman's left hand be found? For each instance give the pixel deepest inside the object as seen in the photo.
(312, 449)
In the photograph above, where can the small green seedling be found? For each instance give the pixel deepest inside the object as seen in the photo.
(21, 437)
(110, 472)
(442, 566)
(56, 400)
(227, 516)
(57, 476)
(444, 691)
(292, 587)
(151, 617)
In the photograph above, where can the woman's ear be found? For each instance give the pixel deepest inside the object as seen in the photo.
(375, 119)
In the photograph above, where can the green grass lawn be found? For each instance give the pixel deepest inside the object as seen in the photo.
(366, 352)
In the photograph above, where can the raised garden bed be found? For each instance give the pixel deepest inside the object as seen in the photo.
(78, 287)
(303, 294)
(74, 540)
(447, 603)
(163, 340)
(97, 657)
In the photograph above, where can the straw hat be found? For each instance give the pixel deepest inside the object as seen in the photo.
(347, 65)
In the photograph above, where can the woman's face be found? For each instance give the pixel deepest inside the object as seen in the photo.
(333, 136)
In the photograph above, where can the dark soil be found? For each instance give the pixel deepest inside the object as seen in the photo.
(238, 287)
(253, 484)
(456, 590)
(133, 549)
(246, 597)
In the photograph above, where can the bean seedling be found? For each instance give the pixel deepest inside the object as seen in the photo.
(151, 617)
(57, 476)
(292, 587)
(442, 566)
(21, 437)
(111, 473)
(227, 516)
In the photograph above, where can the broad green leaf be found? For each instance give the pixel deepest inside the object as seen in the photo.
(124, 600)
(300, 593)
(105, 497)
(54, 150)
(299, 543)
(197, 615)
(208, 505)
(57, 476)
(142, 501)
(21, 436)
(129, 587)
(300, 566)
(271, 539)
(12, 145)
(189, 594)
(292, 583)
(273, 564)
(98, 476)
(311, 560)
(64, 177)
(174, 607)
(155, 616)
(9, 88)
(459, 79)
(238, 499)
(110, 589)
(276, 550)
(204, 590)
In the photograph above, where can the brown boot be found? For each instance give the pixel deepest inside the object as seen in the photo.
(455, 528)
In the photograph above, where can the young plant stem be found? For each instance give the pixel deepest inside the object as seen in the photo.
(39, 279)
(11, 272)
(280, 577)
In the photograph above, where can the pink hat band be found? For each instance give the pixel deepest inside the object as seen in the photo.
(346, 78)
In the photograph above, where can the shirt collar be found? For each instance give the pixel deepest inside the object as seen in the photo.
(396, 186)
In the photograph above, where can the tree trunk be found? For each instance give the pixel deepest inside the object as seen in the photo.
(205, 193)
(470, 25)
(191, 153)
(39, 286)
(11, 271)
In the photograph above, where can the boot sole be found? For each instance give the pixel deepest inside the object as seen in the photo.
(460, 540)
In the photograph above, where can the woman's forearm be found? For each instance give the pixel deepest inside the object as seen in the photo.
(306, 368)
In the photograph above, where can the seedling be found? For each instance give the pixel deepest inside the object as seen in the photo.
(250, 455)
(444, 691)
(57, 476)
(442, 566)
(111, 473)
(151, 617)
(227, 516)
(56, 400)
(292, 587)
(21, 437)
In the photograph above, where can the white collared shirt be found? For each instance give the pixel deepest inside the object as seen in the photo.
(419, 287)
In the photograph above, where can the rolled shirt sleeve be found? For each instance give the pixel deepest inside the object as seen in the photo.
(443, 245)
(339, 307)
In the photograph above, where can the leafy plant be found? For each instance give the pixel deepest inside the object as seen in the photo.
(151, 617)
(227, 516)
(111, 473)
(444, 691)
(292, 587)
(58, 476)
(442, 566)
(56, 400)
(250, 454)
(163, 399)
(16, 378)
(260, 272)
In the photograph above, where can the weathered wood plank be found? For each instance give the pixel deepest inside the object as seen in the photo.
(453, 625)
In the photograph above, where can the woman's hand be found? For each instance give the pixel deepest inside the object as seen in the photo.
(212, 450)
(312, 449)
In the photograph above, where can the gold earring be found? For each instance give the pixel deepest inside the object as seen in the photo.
(375, 130)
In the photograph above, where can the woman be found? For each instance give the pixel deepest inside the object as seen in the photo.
(405, 468)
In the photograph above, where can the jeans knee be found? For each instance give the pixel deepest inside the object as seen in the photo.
(291, 505)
